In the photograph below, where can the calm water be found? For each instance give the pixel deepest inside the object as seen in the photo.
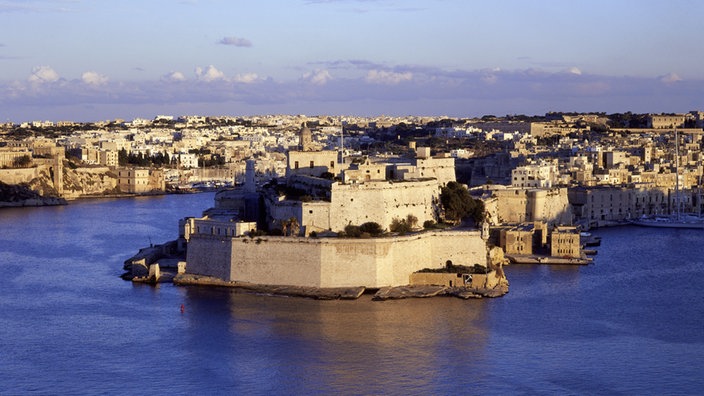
(632, 323)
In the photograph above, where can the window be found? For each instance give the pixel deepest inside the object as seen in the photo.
(312, 164)
(295, 165)
(332, 164)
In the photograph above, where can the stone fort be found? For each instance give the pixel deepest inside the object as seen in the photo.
(321, 194)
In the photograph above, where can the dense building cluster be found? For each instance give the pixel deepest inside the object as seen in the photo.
(588, 169)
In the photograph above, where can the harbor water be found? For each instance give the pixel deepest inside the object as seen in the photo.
(630, 323)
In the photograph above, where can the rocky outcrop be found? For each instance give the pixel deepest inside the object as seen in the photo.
(345, 293)
(137, 266)
(424, 291)
(35, 186)
(86, 182)
(26, 195)
(497, 259)
(337, 293)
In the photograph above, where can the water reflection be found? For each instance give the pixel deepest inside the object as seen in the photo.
(332, 346)
(70, 325)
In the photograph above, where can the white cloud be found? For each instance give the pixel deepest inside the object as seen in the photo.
(317, 76)
(246, 78)
(490, 76)
(574, 70)
(235, 41)
(174, 76)
(387, 77)
(93, 78)
(670, 78)
(43, 74)
(209, 74)
(366, 89)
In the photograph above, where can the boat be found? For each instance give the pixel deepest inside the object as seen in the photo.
(677, 219)
(673, 221)
(587, 239)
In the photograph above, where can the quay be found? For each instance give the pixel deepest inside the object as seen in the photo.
(540, 259)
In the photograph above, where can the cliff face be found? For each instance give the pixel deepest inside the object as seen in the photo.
(24, 195)
(54, 180)
(82, 182)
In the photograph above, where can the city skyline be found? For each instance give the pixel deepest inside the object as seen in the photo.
(87, 61)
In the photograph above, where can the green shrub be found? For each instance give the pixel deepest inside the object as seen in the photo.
(372, 228)
(352, 231)
(399, 226)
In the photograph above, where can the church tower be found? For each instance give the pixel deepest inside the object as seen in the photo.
(305, 139)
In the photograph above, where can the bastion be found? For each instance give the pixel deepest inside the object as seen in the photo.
(331, 262)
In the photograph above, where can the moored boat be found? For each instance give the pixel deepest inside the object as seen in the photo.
(684, 221)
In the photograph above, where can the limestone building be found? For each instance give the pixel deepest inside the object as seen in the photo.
(565, 242)
(329, 193)
(140, 180)
(320, 199)
(542, 175)
(663, 121)
(514, 205)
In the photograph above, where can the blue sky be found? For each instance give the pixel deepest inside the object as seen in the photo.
(93, 60)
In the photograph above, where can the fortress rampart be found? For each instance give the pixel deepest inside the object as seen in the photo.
(331, 262)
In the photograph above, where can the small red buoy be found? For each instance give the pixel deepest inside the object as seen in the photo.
(183, 309)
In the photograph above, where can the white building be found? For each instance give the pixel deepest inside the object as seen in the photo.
(187, 160)
(542, 175)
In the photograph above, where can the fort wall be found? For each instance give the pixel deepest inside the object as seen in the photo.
(331, 262)
(381, 202)
(20, 175)
(517, 205)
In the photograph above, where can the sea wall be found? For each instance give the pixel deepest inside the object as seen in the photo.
(331, 262)
(478, 281)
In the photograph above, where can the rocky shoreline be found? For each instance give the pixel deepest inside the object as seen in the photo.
(139, 269)
(16, 196)
(345, 293)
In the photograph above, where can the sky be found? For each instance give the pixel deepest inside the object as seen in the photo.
(84, 60)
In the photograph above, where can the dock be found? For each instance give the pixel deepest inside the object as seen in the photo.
(539, 259)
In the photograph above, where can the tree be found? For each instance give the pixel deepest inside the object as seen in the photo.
(21, 162)
(400, 226)
(458, 204)
(403, 226)
(352, 231)
(122, 157)
(372, 228)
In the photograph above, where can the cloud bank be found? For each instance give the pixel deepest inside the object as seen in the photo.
(358, 87)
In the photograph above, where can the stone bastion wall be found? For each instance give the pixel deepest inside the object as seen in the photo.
(331, 262)
(383, 201)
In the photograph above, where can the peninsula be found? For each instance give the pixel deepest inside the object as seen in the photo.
(337, 225)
